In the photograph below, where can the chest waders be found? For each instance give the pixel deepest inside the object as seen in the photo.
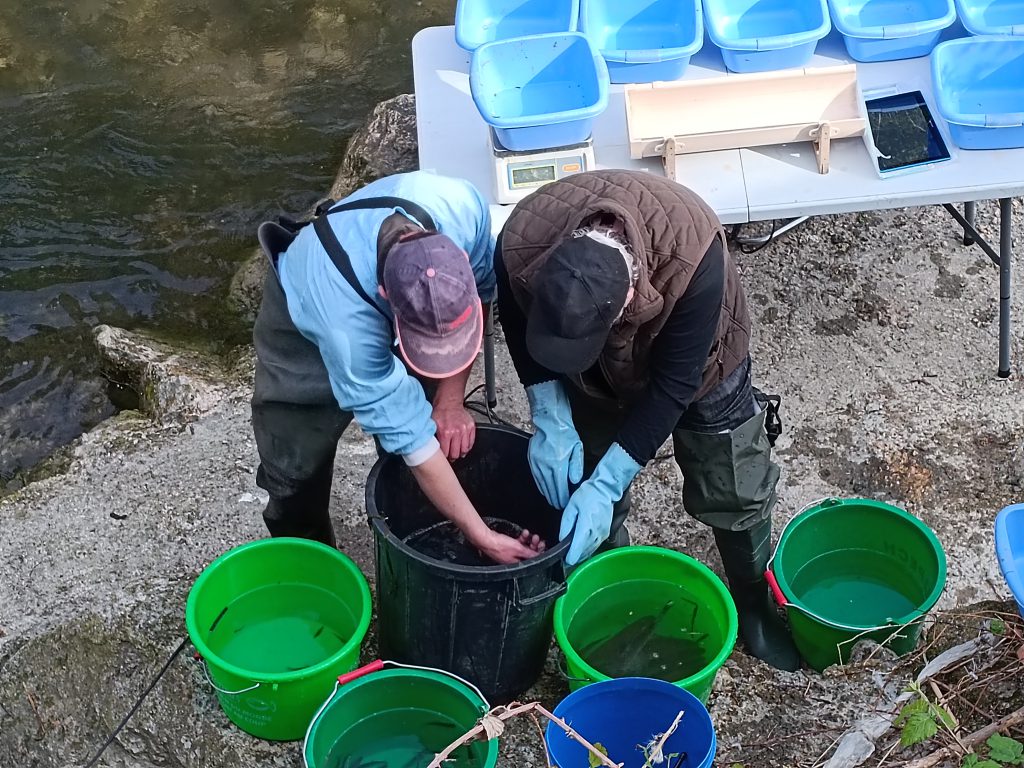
(295, 417)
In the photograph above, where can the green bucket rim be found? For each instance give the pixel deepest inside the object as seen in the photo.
(709, 670)
(830, 504)
(400, 670)
(277, 677)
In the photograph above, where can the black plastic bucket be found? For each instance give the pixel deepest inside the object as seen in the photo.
(489, 624)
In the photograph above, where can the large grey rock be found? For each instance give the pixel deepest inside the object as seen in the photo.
(171, 384)
(384, 145)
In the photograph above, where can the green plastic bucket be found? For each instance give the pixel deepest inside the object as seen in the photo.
(397, 718)
(276, 621)
(614, 598)
(853, 569)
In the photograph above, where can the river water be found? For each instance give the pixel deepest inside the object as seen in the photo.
(141, 143)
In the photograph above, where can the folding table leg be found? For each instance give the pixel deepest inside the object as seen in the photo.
(1005, 287)
(489, 388)
(969, 211)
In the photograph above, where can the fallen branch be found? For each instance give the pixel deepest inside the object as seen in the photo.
(928, 761)
(492, 725)
(656, 753)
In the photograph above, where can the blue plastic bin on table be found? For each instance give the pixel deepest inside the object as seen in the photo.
(978, 90)
(484, 21)
(540, 91)
(644, 41)
(884, 30)
(762, 35)
(992, 17)
(1010, 550)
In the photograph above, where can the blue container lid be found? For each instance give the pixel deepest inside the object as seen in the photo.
(594, 23)
(483, 21)
(959, 65)
(522, 63)
(928, 17)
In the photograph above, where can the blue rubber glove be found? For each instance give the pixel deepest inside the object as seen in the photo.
(590, 508)
(555, 451)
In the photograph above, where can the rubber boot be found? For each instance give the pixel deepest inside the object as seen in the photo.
(745, 556)
(305, 514)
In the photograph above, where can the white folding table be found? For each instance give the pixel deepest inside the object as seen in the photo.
(745, 185)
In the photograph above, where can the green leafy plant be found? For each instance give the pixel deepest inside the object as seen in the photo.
(1002, 751)
(920, 718)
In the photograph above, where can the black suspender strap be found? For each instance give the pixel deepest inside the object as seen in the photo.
(338, 254)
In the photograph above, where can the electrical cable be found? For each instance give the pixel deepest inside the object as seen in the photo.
(138, 703)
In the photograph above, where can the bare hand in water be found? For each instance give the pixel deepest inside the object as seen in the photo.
(507, 550)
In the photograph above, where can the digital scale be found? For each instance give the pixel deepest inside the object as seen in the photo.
(517, 174)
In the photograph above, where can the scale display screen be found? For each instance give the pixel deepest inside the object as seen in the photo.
(536, 174)
(904, 132)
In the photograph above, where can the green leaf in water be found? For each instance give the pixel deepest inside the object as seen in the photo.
(593, 759)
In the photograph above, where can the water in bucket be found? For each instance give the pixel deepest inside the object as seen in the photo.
(645, 631)
(854, 586)
(282, 628)
(400, 738)
(445, 542)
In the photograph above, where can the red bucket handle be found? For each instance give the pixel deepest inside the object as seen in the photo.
(373, 666)
(776, 589)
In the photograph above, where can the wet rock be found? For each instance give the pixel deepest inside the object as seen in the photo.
(385, 145)
(171, 385)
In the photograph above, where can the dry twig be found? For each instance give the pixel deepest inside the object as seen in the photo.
(660, 745)
(508, 712)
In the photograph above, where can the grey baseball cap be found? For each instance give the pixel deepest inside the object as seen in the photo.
(438, 314)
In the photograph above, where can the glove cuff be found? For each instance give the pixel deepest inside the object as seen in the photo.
(616, 470)
(547, 397)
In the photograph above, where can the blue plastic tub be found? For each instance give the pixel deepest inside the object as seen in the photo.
(644, 41)
(541, 91)
(979, 90)
(1010, 550)
(760, 35)
(992, 17)
(884, 30)
(484, 21)
(624, 715)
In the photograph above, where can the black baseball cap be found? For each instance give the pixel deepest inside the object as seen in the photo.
(577, 294)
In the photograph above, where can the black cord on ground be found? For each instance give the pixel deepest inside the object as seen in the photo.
(747, 250)
(138, 703)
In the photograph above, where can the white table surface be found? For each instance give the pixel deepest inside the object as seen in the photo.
(740, 185)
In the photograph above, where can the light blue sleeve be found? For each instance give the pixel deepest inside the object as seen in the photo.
(481, 252)
(355, 343)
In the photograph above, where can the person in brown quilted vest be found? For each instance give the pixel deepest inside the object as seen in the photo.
(627, 324)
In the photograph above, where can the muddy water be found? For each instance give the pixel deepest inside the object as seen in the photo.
(143, 141)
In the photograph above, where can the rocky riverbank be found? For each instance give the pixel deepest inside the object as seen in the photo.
(879, 330)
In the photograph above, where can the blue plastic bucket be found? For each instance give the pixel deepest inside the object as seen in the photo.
(484, 21)
(992, 17)
(541, 91)
(644, 41)
(881, 30)
(1010, 550)
(624, 715)
(978, 90)
(766, 34)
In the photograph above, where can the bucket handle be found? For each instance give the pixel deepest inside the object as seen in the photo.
(565, 673)
(783, 602)
(217, 688)
(376, 666)
(556, 591)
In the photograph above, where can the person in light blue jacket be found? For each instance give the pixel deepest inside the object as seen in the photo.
(383, 295)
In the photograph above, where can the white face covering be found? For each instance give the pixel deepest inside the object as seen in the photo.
(613, 239)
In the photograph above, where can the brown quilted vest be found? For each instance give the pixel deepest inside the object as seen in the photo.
(669, 227)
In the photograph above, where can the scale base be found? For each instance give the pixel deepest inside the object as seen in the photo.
(518, 173)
